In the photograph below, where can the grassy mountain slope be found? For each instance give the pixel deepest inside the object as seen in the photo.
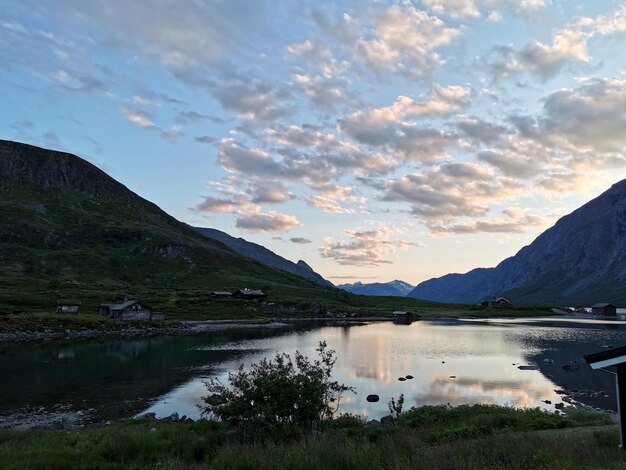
(581, 260)
(67, 229)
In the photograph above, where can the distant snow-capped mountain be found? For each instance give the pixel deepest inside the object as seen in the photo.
(393, 288)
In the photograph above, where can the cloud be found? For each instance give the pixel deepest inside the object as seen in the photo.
(444, 192)
(543, 60)
(453, 8)
(324, 92)
(472, 8)
(612, 24)
(514, 220)
(190, 117)
(269, 192)
(304, 155)
(138, 117)
(205, 139)
(367, 248)
(79, 83)
(35, 51)
(391, 127)
(327, 204)
(169, 33)
(564, 183)
(23, 125)
(515, 165)
(233, 156)
(404, 140)
(345, 30)
(480, 132)
(589, 117)
(51, 140)
(252, 100)
(148, 97)
(569, 45)
(314, 51)
(494, 17)
(222, 204)
(242, 198)
(300, 240)
(334, 199)
(306, 136)
(405, 41)
(440, 102)
(171, 134)
(145, 120)
(266, 221)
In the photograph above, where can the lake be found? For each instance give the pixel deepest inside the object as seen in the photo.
(452, 361)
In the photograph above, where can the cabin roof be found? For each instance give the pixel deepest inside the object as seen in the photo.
(608, 358)
(124, 305)
(221, 292)
(400, 312)
(602, 305)
(71, 302)
(251, 292)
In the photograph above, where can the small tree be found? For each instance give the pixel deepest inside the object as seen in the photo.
(395, 407)
(275, 396)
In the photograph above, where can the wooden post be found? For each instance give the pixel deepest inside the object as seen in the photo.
(620, 389)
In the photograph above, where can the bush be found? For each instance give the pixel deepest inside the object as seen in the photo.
(277, 397)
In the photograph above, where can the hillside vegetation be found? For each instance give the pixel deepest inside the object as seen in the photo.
(69, 230)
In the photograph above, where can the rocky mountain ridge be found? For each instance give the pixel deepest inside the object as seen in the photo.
(394, 288)
(263, 255)
(581, 260)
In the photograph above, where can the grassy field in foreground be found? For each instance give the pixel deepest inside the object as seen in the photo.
(470, 436)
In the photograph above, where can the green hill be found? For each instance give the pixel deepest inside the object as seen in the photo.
(67, 229)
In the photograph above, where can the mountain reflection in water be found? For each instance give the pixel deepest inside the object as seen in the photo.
(452, 362)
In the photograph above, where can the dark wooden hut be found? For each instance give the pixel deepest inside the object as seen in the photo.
(220, 294)
(127, 310)
(68, 306)
(604, 308)
(249, 294)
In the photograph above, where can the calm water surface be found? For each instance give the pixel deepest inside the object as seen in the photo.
(451, 361)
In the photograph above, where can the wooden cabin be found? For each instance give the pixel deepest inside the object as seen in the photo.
(401, 314)
(68, 306)
(129, 310)
(604, 309)
(220, 294)
(249, 294)
(494, 301)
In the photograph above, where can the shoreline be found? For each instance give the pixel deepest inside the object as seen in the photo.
(133, 331)
(192, 327)
(182, 327)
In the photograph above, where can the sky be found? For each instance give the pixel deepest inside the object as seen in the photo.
(375, 140)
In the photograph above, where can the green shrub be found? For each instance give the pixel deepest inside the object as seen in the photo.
(278, 397)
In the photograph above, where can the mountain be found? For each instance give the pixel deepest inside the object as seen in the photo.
(263, 255)
(581, 260)
(393, 288)
(69, 229)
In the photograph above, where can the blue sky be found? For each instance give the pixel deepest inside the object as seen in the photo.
(375, 140)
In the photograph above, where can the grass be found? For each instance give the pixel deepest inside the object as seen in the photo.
(511, 439)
